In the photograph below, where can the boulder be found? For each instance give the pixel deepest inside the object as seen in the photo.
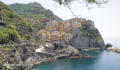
(45, 54)
(41, 49)
(117, 50)
(88, 56)
(107, 46)
(61, 57)
(71, 51)
(49, 47)
(74, 57)
(113, 49)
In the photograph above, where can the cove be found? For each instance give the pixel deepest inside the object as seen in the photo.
(102, 60)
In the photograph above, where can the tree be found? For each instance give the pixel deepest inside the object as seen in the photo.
(87, 2)
(66, 2)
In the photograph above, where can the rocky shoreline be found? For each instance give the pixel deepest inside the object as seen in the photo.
(44, 40)
(117, 50)
(25, 56)
(39, 53)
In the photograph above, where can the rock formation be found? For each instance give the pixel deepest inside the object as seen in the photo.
(78, 32)
(21, 46)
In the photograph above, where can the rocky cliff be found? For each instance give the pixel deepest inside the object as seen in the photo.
(12, 27)
(87, 36)
(78, 32)
(22, 46)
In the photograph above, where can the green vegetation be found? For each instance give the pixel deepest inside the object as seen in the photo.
(39, 26)
(3, 49)
(28, 25)
(35, 14)
(28, 37)
(12, 22)
(33, 10)
(8, 34)
(93, 34)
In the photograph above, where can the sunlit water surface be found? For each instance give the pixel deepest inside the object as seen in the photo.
(102, 60)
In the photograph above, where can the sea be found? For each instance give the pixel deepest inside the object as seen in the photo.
(101, 60)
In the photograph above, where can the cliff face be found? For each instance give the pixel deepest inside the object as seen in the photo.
(78, 32)
(54, 40)
(87, 36)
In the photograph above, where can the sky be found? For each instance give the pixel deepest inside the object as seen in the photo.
(106, 18)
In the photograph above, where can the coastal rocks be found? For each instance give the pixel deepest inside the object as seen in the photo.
(67, 52)
(63, 43)
(57, 49)
(110, 48)
(75, 57)
(22, 67)
(45, 54)
(62, 56)
(58, 40)
(114, 49)
(117, 50)
(88, 56)
(41, 49)
(33, 60)
(19, 55)
(71, 51)
(49, 47)
(87, 36)
(89, 49)
(107, 46)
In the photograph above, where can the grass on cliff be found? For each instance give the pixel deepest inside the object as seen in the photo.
(93, 34)
(9, 34)
(33, 10)
(12, 21)
(3, 51)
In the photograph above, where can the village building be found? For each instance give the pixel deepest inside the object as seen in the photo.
(68, 37)
(55, 36)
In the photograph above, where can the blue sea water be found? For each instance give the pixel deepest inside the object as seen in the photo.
(102, 60)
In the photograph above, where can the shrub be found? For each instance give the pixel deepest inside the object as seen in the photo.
(28, 37)
(4, 37)
(8, 34)
(39, 26)
(28, 25)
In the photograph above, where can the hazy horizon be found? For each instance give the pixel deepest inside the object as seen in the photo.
(106, 18)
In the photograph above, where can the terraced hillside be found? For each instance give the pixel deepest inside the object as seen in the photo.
(12, 27)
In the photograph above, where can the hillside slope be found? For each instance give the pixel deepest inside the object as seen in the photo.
(56, 40)
(12, 27)
(34, 10)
